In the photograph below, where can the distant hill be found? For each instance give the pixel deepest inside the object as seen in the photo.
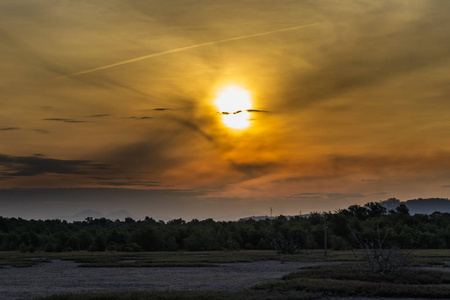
(420, 206)
(81, 216)
(119, 215)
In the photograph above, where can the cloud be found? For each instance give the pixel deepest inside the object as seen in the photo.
(194, 127)
(64, 120)
(239, 111)
(395, 40)
(140, 118)
(36, 165)
(257, 111)
(9, 128)
(344, 92)
(99, 116)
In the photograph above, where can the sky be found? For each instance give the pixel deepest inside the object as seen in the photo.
(112, 105)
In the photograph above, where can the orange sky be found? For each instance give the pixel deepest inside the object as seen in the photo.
(350, 102)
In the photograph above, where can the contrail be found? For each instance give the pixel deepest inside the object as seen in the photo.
(184, 49)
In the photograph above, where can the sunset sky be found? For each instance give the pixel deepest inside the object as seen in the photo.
(112, 105)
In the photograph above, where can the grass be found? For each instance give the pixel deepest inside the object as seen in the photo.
(167, 259)
(138, 259)
(354, 288)
(20, 260)
(346, 279)
(200, 259)
(348, 271)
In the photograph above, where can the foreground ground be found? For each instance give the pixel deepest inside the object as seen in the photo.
(66, 277)
(214, 275)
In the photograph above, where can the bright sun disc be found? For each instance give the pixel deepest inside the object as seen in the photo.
(233, 103)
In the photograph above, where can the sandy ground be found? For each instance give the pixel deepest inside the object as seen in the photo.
(66, 277)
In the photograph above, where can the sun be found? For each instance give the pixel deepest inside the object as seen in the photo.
(234, 104)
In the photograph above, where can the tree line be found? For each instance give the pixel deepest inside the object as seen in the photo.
(282, 233)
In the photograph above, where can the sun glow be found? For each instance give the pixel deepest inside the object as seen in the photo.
(233, 103)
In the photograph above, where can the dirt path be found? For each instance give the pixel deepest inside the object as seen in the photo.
(66, 277)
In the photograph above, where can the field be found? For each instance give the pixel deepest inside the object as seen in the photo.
(251, 275)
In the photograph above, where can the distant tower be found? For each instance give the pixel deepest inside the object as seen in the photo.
(271, 212)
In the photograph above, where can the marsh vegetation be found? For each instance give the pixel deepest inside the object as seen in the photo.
(249, 274)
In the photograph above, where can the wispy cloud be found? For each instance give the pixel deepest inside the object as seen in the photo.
(64, 120)
(140, 118)
(257, 111)
(9, 128)
(36, 165)
(99, 116)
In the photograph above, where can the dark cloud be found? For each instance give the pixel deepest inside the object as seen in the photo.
(150, 155)
(257, 111)
(239, 111)
(196, 128)
(35, 165)
(38, 154)
(140, 118)
(99, 116)
(169, 148)
(161, 109)
(9, 128)
(64, 120)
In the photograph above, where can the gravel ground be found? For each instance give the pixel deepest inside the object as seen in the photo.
(66, 277)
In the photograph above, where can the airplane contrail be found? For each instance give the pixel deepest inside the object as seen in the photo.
(184, 49)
